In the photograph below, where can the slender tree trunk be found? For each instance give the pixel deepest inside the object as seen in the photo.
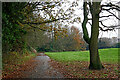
(93, 45)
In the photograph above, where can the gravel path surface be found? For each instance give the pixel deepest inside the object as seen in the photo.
(43, 68)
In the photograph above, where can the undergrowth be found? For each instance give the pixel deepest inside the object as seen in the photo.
(13, 60)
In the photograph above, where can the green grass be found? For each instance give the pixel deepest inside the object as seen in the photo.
(109, 55)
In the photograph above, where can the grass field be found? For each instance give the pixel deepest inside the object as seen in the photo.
(109, 55)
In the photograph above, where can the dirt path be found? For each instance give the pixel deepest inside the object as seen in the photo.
(43, 69)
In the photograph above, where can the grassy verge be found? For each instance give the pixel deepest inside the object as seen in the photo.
(109, 55)
(13, 60)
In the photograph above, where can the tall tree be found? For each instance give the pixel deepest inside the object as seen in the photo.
(95, 8)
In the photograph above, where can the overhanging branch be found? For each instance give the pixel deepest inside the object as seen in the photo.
(48, 21)
(39, 28)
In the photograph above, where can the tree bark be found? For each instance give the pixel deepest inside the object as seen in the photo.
(95, 62)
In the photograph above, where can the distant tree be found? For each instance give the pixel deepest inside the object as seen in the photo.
(117, 45)
(104, 43)
(36, 38)
(77, 36)
(72, 41)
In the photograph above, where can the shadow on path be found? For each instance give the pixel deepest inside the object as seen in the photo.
(43, 68)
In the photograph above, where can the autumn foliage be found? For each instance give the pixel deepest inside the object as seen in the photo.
(80, 44)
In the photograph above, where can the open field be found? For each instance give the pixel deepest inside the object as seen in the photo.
(74, 64)
(109, 55)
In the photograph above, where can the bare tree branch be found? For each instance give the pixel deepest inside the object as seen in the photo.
(106, 29)
(113, 14)
(105, 19)
(89, 18)
(112, 26)
(111, 5)
(90, 5)
(111, 8)
(90, 23)
(105, 16)
(103, 24)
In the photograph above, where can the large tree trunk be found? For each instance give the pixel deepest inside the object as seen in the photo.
(95, 62)
(93, 46)
(93, 40)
